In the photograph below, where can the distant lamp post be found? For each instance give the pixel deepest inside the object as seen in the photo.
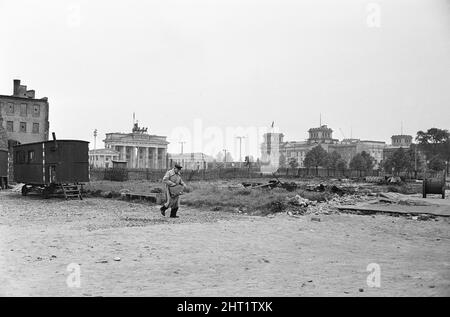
(182, 143)
(95, 139)
(240, 147)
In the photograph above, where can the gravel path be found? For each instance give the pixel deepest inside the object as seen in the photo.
(128, 249)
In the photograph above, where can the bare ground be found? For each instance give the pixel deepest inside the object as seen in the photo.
(207, 253)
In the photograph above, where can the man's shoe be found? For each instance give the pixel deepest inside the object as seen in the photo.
(163, 210)
(173, 213)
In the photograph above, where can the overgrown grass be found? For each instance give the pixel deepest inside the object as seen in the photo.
(259, 201)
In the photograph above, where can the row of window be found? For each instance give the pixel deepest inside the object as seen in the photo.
(23, 157)
(23, 108)
(324, 135)
(22, 127)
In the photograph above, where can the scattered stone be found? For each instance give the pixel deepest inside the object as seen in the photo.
(315, 219)
(116, 258)
(361, 290)
(102, 261)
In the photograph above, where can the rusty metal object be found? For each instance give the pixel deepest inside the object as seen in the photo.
(434, 186)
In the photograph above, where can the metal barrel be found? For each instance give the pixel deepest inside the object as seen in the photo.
(434, 186)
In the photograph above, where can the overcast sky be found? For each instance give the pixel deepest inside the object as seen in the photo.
(366, 66)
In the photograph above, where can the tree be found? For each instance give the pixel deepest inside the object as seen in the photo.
(333, 159)
(316, 157)
(357, 162)
(293, 163)
(369, 161)
(362, 162)
(434, 142)
(341, 165)
(436, 164)
(397, 162)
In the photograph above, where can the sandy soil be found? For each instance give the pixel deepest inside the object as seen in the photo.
(206, 253)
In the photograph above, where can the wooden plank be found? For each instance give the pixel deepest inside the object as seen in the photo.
(441, 211)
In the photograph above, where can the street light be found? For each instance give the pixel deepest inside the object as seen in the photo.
(240, 147)
(182, 142)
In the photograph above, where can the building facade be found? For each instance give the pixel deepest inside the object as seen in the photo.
(278, 152)
(24, 118)
(138, 148)
(191, 161)
(399, 141)
(102, 158)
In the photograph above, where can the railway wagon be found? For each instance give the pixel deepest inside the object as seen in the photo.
(52, 167)
(3, 168)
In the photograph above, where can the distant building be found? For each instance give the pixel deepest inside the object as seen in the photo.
(102, 158)
(192, 161)
(321, 135)
(398, 141)
(24, 117)
(401, 140)
(278, 152)
(138, 148)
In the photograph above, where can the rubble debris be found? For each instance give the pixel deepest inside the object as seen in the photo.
(396, 198)
(316, 188)
(394, 180)
(375, 179)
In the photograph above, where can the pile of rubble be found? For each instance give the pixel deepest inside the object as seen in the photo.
(302, 205)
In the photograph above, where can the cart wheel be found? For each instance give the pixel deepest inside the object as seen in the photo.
(24, 190)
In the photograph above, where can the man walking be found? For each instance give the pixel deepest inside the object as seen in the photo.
(173, 183)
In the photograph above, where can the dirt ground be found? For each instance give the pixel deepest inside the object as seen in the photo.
(213, 253)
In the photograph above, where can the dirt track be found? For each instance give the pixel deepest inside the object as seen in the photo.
(207, 253)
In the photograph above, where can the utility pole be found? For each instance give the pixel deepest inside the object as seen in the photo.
(182, 142)
(95, 139)
(240, 147)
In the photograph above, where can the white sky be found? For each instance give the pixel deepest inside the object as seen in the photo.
(231, 64)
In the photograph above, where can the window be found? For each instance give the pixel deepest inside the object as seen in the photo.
(35, 127)
(9, 126)
(36, 110)
(23, 127)
(23, 110)
(20, 157)
(31, 156)
(10, 108)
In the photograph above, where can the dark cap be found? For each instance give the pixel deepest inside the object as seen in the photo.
(178, 166)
